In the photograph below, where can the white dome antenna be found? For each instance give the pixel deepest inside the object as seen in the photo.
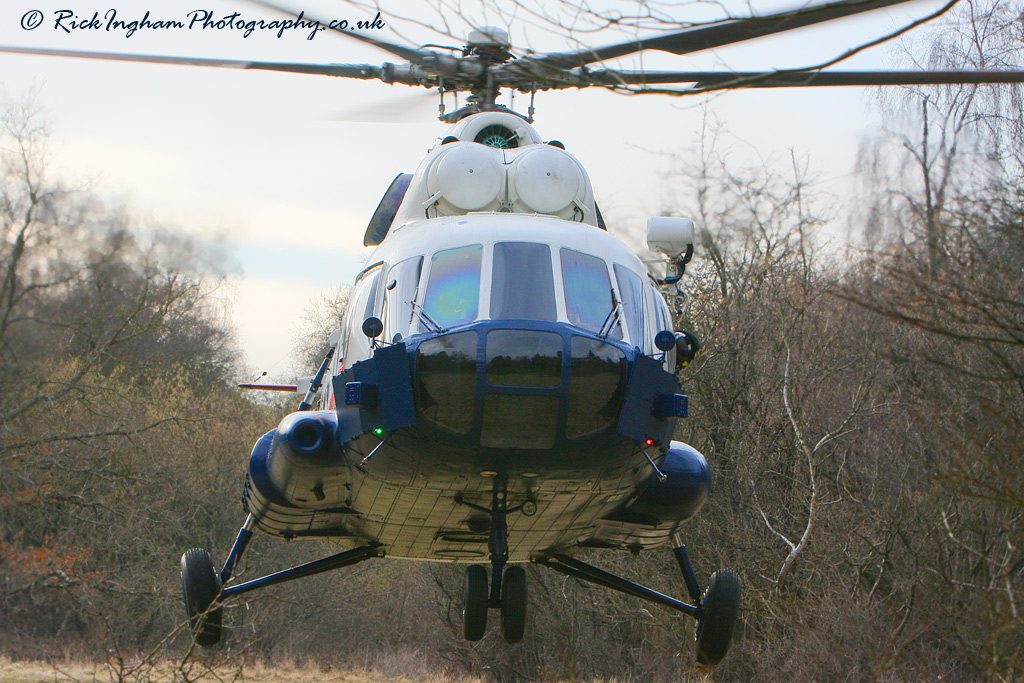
(489, 36)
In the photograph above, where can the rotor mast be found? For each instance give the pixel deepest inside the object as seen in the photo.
(487, 46)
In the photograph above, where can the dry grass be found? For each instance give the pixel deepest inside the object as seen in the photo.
(73, 672)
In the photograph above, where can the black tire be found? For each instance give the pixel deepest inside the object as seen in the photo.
(719, 609)
(200, 586)
(474, 603)
(688, 352)
(513, 604)
(693, 341)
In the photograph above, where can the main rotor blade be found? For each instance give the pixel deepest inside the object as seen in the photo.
(713, 35)
(788, 79)
(404, 109)
(363, 71)
(411, 54)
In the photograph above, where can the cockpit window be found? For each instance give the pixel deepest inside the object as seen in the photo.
(632, 289)
(661, 315)
(360, 307)
(403, 280)
(446, 381)
(662, 321)
(524, 358)
(596, 387)
(588, 293)
(522, 285)
(453, 286)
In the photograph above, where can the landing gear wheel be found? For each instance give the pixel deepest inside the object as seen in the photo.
(474, 603)
(200, 586)
(687, 345)
(718, 611)
(513, 604)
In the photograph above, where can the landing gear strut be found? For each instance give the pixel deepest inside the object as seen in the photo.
(507, 590)
(204, 589)
(716, 610)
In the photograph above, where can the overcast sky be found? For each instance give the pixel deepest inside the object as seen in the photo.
(255, 159)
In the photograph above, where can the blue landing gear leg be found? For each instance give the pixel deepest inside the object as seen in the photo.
(716, 611)
(204, 589)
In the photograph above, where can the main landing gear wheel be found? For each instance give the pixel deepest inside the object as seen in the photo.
(718, 611)
(201, 586)
(513, 604)
(474, 606)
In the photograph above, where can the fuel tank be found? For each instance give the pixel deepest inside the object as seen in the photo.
(683, 492)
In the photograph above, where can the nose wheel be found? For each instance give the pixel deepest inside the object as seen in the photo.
(507, 589)
(513, 604)
(476, 602)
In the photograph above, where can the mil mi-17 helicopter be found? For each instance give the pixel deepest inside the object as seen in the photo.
(503, 388)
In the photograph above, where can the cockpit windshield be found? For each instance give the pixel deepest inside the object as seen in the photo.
(522, 284)
(589, 301)
(453, 289)
(631, 289)
(516, 281)
(403, 283)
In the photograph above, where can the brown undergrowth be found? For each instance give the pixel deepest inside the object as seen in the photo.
(170, 672)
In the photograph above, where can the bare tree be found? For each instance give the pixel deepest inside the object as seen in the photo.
(320, 317)
(943, 145)
(113, 366)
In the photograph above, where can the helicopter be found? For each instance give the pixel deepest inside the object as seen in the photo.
(503, 388)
